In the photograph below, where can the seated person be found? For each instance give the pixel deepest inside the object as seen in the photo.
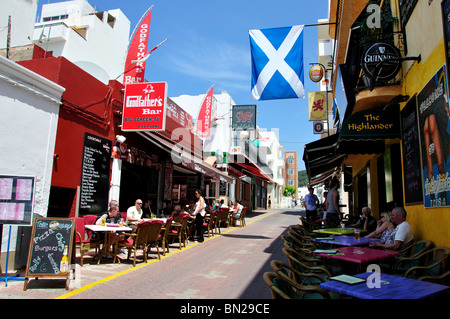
(168, 209)
(402, 234)
(134, 214)
(237, 211)
(146, 210)
(366, 222)
(216, 205)
(222, 204)
(384, 228)
(110, 217)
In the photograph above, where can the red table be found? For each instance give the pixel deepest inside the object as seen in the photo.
(360, 255)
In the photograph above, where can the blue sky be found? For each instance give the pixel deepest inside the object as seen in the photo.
(208, 44)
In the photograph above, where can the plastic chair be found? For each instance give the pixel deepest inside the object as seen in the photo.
(82, 239)
(153, 235)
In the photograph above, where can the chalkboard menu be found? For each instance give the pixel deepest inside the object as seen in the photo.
(95, 175)
(51, 239)
(412, 173)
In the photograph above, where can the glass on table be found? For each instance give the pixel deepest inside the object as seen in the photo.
(357, 234)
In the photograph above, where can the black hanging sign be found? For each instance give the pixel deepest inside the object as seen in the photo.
(381, 61)
(244, 117)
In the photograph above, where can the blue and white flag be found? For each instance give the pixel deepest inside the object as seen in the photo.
(277, 63)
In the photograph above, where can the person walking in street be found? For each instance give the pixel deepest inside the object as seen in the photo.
(311, 202)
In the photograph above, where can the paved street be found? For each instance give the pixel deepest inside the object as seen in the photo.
(226, 266)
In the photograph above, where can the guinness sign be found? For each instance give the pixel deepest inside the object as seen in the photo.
(381, 61)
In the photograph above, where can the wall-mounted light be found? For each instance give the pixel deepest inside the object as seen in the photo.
(121, 138)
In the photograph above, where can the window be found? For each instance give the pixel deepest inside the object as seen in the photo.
(290, 171)
(55, 18)
(290, 159)
(290, 182)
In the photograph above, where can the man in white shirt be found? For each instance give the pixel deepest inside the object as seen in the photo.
(402, 234)
(134, 214)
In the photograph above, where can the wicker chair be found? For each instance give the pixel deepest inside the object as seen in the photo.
(222, 217)
(180, 231)
(83, 239)
(138, 239)
(163, 237)
(436, 264)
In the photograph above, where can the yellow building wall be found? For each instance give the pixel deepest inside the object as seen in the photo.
(427, 223)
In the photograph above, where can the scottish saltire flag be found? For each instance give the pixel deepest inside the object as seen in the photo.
(277, 63)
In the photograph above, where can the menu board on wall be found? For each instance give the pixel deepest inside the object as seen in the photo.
(412, 173)
(95, 168)
(16, 199)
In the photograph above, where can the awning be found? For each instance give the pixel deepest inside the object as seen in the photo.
(320, 156)
(324, 178)
(365, 132)
(248, 166)
(186, 160)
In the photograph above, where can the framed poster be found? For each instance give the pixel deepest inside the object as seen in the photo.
(433, 111)
(16, 200)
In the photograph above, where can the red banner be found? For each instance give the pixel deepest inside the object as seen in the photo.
(204, 116)
(144, 107)
(134, 71)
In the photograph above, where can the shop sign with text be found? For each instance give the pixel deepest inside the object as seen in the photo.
(144, 107)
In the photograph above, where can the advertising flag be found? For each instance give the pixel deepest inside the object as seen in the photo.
(144, 107)
(204, 115)
(317, 102)
(277, 63)
(135, 69)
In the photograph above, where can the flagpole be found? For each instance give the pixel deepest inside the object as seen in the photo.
(144, 58)
(138, 24)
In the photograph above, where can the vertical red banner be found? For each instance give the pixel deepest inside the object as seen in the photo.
(204, 115)
(134, 71)
(144, 107)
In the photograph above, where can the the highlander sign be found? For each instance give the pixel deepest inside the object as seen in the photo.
(381, 61)
(144, 107)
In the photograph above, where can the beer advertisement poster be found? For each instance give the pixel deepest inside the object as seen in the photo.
(144, 107)
(244, 117)
(433, 110)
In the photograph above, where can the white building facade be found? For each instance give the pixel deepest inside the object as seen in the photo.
(95, 41)
(30, 107)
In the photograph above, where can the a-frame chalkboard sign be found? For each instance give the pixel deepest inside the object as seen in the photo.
(51, 239)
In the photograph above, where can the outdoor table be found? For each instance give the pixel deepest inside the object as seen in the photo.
(337, 231)
(346, 240)
(390, 287)
(107, 229)
(359, 255)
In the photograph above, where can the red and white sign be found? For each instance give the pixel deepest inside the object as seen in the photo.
(134, 71)
(144, 107)
(204, 115)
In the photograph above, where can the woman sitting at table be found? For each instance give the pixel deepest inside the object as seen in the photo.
(384, 228)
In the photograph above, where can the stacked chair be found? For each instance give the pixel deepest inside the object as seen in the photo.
(300, 276)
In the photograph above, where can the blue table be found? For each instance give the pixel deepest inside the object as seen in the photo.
(346, 240)
(391, 287)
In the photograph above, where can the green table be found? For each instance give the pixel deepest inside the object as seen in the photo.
(336, 231)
